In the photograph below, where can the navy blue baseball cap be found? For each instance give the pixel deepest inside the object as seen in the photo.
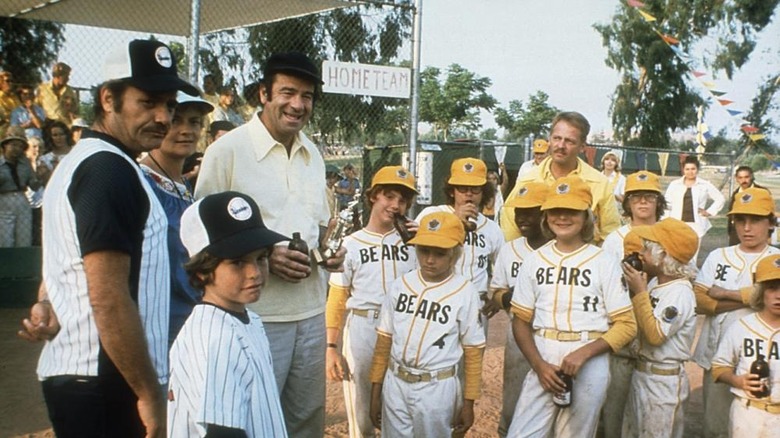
(148, 65)
(227, 225)
(295, 64)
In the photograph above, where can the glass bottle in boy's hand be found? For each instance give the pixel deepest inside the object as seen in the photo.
(760, 367)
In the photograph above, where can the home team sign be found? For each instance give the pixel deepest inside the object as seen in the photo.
(365, 79)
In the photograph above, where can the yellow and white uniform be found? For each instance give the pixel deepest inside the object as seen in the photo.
(572, 297)
(739, 347)
(505, 271)
(729, 268)
(659, 389)
(372, 263)
(429, 324)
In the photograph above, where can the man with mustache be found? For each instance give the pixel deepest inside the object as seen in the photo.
(105, 261)
(568, 137)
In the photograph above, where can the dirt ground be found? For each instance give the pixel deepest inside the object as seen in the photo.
(23, 413)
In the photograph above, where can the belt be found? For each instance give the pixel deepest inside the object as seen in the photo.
(649, 368)
(366, 313)
(772, 408)
(416, 377)
(568, 336)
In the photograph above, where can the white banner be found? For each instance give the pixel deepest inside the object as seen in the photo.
(424, 176)
(366, 79)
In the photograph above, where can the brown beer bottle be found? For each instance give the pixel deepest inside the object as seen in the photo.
(298, 244)
(761, 368)
(563, 399)
(399, 222)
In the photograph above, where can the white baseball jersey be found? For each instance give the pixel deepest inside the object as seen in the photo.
(479, 250)
(729, 268)
(372, 263)
(613, 244)
(674, 309)
(508, 263)
(221, 374)
(76, 348)
(430, 323)
(573, 292)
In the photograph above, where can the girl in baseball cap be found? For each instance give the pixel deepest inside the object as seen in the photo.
(222, 347)
(755, 410)
(429, 324)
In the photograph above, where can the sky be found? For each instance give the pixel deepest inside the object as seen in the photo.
(529, 45)
(522, 46)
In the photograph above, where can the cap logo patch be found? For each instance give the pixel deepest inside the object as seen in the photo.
(402, 174)
(163, 57)
(523, 191)
(434, 225)
(562, 189)
(777, 263)
(641, 177)
(239, 209)
(468, 167)
(746, 198)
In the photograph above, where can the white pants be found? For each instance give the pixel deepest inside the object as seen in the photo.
(358, 351)
(422, 409)
(752, 422)
(620, 370)
(515, 369)
(656, 405)
(717, 405)
(537, 416)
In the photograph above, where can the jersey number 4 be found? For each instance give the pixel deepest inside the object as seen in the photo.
(589, 303)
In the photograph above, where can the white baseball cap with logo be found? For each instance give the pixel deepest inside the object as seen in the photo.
(146, 64)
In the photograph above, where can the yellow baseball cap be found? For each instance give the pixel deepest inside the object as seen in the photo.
(675, 236)
(755, 201)
(468, 172)
(541, 146)
(568, 192)
(768, 268)
(530, 195)
(643, 180)
(632, 243)
(396, 175)
(440, 230)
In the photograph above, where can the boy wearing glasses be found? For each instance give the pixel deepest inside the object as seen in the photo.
(468, 191)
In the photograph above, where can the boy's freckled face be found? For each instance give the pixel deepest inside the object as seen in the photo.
(237, 282)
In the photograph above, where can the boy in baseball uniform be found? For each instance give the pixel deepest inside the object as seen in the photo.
(723, 288)
(222, 381)
(468, 191)
(429, 324)
(570, 309)
(643, 204)
(665, 314)
(376, 256)
(755, 334)
(527, 206)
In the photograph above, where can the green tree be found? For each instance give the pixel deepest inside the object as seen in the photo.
(454, 103)
(521, 120)
(28, 47)
(653, 98)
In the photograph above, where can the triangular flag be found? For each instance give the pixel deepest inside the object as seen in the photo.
(708, 84)
(670, 39)
(707, 135)
(717, 93)
(636, 4)
(725, 102)
(646, 16)
(748, 129)
(678, 51)
(699, 74)
(734, 112)
(757, 137)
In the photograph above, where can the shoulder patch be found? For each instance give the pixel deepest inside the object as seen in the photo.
(670, 313)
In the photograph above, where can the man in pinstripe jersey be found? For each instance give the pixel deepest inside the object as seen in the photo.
(105, 263)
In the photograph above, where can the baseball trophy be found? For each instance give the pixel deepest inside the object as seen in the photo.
(336, 233)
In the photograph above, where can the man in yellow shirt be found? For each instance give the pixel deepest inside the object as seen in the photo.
(8, 99)
(57, 99)
(567, 140)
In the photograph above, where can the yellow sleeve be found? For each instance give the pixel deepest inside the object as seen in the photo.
(646, 320)
(746, 293)
(719, 370)
(498, 296)
(524, 314)
(336, 306)
(623, 330)
(705, 304)
(381, 358)
(472, 358)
